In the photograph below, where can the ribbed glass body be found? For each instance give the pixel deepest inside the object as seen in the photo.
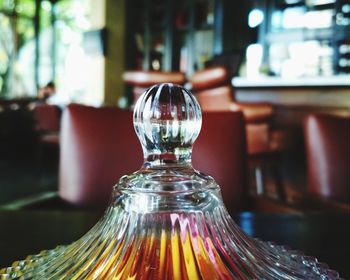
(167, 220)
(202, 242)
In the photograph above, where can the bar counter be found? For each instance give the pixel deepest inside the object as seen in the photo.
(296, 97)
(326, 81)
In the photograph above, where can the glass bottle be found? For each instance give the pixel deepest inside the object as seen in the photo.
(167, 220)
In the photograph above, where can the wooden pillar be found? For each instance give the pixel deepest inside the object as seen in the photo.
(95, 88)
(105, 85)
(115, 51)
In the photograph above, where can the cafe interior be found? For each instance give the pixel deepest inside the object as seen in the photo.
(272, 79)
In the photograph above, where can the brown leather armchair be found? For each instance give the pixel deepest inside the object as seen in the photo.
(327, 141)
(214, 93)
(141, 80)
(220, 151)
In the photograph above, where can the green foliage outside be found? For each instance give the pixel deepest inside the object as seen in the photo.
(17, 29)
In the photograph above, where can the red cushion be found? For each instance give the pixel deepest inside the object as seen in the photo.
(209, 78)
(327, 141)
(98, 146)
(150, 78)
(220, 151)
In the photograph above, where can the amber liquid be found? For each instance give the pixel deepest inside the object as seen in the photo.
(165, 246)
(158, 254)
(162, 259)
(176, 247)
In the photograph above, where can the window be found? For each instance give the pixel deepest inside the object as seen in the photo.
(31, 58)
(17, 48)
(71, 23)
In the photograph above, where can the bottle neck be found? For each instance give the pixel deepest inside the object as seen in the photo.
(177, 158)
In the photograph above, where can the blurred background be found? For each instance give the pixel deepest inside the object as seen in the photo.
(83, 47)
(272, 78)
(282, 60)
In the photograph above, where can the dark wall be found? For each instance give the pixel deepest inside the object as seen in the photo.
(236, 33)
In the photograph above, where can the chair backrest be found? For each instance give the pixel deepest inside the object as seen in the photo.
(220, 151)
(214, 92)
(327, 141)
(216, 99)
(47, 117)
(149, 78)
(212, 89)
(211, 77)
(98, 146)
(141, 80)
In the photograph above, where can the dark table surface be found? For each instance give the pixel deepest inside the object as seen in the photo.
(326, 236)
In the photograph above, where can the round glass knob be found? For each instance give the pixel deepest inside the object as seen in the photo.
(167, 120)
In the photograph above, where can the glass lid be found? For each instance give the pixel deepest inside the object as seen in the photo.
(167, 220)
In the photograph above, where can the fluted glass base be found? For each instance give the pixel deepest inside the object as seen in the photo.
(128, 244)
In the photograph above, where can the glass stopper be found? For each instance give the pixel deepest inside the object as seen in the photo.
(167, 120)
